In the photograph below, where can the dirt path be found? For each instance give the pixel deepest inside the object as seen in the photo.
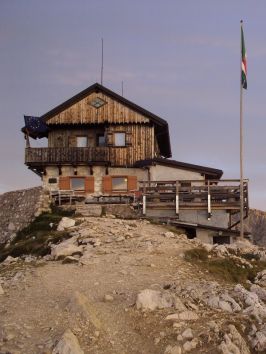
(42, 301)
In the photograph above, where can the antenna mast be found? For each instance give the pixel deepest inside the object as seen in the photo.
(102, 65)
(122, 86)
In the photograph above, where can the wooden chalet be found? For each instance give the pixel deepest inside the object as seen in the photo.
(104, 146)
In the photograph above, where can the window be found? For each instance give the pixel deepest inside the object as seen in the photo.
(82, 141)
(120, 139)
(78, 184)
(119, 183)
(101, 140)
(52, 180)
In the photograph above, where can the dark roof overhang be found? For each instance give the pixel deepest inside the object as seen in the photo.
(209, 172)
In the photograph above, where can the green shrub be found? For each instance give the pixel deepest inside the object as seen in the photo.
(196, 254)
(224, 268)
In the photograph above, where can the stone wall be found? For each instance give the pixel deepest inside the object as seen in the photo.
(19, 208)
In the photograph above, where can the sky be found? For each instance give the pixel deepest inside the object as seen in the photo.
(178, 59)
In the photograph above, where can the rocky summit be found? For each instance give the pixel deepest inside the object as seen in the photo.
(131, 286)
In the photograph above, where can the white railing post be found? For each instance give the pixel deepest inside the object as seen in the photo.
(209, 202)
(177, 199)
(144, 204)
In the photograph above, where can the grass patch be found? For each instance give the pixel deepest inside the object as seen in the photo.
(196, 254)
(37, 238)
(224, 268)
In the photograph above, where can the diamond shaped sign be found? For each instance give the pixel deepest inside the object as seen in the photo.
(97, 102)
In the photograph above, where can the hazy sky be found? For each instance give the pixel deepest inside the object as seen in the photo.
(178, 59)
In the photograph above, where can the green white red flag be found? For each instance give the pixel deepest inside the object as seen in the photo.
(243, 62)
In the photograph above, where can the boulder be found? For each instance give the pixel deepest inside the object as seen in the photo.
(260, 292)
(223, 302)
(187, 334)
(249, 298)
(68, 344)
(65, 223)
(233, 342)
(189, 345)
(65, 249)
(259, 341)
(9, 260)
(152, 299)
(261, 279)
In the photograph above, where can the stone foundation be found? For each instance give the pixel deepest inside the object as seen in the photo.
(19, 208)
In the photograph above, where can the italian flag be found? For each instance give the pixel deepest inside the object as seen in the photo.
(244, 62)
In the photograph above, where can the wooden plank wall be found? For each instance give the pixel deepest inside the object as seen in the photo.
(140, 141)
(61, 137)
(112, 112)
(141, 147)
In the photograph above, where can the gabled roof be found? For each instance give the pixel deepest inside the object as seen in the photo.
(161, 126)
(211, 173)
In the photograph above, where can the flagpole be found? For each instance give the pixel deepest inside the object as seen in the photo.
(241, 146)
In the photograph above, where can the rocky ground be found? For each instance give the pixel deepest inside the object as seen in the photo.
(128, 286)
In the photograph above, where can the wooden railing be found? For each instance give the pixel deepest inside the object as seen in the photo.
(61, 155)
(196, 194)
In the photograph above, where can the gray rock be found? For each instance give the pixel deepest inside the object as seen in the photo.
(261, 278)
(65, 223)
(189, 345)
(9, 260)
(187, 334)
(68, 344)
(249, 298)
(65, 249)
(259, 291)
(169, 234)
(233, 342)
(223, 302)
(11, 226)
(259, 340)
(152, 299)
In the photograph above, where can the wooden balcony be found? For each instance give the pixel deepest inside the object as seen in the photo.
(63, 155)
(195, 194)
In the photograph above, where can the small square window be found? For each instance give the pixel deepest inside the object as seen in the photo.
(52, 180)
(120, 139)
(78, 184)
(101, 141)
(82, 141)
(119, 183)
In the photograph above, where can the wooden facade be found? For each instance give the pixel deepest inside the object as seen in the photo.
(111, 111)
(140, 144)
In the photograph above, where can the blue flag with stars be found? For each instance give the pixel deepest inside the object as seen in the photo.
(35, 124)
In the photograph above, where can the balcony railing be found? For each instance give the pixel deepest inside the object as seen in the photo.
(60, 155)
(195, 194)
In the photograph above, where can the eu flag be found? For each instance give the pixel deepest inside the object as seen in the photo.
(35, 125)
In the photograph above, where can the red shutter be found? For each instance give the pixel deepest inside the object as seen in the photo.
(131, 183)
(89, 184)
(64, 183)
(107, 184)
